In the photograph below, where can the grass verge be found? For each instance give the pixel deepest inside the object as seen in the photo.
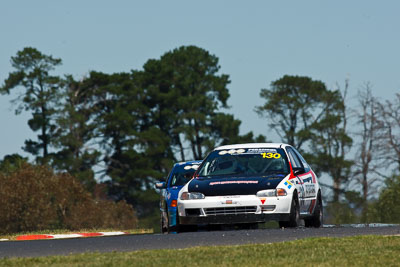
(349, 251)
(63, 231)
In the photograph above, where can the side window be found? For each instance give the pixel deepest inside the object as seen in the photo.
(296, 163)
(303, 161)
(169, 178)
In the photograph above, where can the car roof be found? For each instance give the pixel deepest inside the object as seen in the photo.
(189, 162)
(253, 145)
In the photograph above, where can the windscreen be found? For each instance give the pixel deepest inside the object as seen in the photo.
(182, 174)
(245, 162)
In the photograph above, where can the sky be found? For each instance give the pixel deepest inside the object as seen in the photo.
(256, 42)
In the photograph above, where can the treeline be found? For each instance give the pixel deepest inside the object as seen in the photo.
(125, 130)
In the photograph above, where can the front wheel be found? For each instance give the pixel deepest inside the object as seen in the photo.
(164, 223)
(294, 217)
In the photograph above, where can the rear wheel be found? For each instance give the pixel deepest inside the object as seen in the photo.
(294, 217)
(316, 220)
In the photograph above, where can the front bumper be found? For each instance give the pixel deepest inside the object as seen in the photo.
(234, 209)
(232, 219)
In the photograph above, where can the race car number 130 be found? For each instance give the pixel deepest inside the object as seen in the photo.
(271, 155)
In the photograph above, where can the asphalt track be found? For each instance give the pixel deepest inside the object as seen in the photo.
(183, 240)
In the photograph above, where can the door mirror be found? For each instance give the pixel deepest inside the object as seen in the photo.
(298, 171)
(161, 185)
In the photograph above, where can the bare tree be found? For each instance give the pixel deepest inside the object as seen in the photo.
(369, 154)
(389, 112)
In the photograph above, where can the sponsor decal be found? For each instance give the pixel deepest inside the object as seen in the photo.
(307, 180)
(232, 151)
(310, 190)
(261, 150)
(263, 200)
(265, 152)
(234, 182)
(169, 196)
(288, 184)
(194, 167)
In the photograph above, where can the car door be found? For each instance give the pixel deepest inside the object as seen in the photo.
(296, 164)
(309, 184)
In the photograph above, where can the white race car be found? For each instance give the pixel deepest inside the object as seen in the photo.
(246, 184)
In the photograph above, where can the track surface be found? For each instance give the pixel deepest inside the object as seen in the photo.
(172, 241)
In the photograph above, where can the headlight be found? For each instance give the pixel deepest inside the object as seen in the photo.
(194, 195)
(272, 193)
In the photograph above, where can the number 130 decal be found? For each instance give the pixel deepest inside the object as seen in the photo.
(271, 155)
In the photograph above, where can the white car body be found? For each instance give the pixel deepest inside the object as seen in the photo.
(225, 199)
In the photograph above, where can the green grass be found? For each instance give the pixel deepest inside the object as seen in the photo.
(63, 231)
(349, 251)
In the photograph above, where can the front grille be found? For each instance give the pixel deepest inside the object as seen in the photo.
(230, 210)
(192, 212)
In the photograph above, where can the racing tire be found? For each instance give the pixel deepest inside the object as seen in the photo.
(294, 217)
(316, 220)
(164, 227)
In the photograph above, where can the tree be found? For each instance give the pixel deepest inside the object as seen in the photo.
(369, 154)
(75, 135)
(12, 162)
(135, 152)
(331, 142)
(389, 112)
(293, 104)
(185, 94)
(40, 96)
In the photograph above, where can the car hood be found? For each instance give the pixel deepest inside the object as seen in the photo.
(221, 186)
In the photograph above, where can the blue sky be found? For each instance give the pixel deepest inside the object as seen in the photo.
(256, 42)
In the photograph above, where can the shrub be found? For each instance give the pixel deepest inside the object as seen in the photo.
(35, 198)
(386, 208)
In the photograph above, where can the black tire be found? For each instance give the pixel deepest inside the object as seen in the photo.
(164, 226)
(294, 217)
(316, 220)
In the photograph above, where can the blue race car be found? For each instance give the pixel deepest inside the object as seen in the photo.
(180, 174)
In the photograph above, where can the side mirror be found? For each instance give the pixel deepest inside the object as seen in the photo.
(298, 171)
(161, 185)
